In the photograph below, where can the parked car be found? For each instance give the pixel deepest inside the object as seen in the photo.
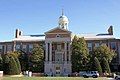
(81, 73)
(93, 74)
(117, 77)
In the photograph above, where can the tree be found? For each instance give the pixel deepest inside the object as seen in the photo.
(1, 63)
(24, 60)
(79, 54)
(37, 59)
(5, 63)
(106, 67)
(97, 65)
(11, 64)
(13, 67)
(104, 51)
(15, 56)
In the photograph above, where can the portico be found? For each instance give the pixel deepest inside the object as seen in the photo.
(58, 55)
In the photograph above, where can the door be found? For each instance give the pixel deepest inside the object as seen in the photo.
(58, 73)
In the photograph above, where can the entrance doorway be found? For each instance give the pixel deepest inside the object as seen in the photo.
(58, 73)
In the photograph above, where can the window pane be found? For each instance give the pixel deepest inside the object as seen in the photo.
(97, 44)
(0, 48)
(17, 47)
(90, 46)
(113, 45)
(30, 47)
(9, 48)
(24, 48)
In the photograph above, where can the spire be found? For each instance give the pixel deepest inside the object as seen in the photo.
(62, 12)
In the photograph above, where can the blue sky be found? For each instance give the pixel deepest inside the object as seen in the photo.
(39, 16)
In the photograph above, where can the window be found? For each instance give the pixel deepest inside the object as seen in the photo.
(58, 47)
(64, 69)
(30, 47)
(9, 48)
(97, 44)
(0, 48)
(104, 44)
(113, 45)
(90, 46)
(24, 48)
(17, 47)
(57, 68)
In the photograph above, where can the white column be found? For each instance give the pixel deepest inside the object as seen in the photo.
(46, 51)
(50, 55)
(69, 52)
(65, 47)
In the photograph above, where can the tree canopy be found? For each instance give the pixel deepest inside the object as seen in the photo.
(104, 51)
(37, 58)
(79, 54)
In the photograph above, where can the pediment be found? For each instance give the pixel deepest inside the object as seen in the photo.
(57, 30)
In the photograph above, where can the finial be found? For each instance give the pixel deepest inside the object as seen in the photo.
(62, 12)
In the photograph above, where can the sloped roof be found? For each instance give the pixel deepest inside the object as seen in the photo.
(58, 30)
(30, 38)
(86, 36)
(96, 36)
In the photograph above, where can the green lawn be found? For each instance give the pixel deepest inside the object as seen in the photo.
(51, 78)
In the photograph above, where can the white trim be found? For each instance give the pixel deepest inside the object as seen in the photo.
(59, 33)
(57, 28)
(57, 39)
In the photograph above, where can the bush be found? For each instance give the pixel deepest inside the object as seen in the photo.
(18, 64)
(6, 64)
(13, 68)
(1, 63)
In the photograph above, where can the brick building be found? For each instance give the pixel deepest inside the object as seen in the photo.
(57, 43)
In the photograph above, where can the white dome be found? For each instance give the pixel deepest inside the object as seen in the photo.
(63, 19)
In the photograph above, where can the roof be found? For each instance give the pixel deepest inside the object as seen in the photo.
(86, 36)
(30, 38)
(96, 36)
(59, 29)
(42, 37)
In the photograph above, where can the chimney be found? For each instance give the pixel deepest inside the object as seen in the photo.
(110, 30)
(20, 33)
(17, 33)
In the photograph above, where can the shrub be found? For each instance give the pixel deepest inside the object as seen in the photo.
(13, 68)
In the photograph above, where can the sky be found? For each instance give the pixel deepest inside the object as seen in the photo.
(39, 16)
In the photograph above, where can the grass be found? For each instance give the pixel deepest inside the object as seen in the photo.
(51, 78)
